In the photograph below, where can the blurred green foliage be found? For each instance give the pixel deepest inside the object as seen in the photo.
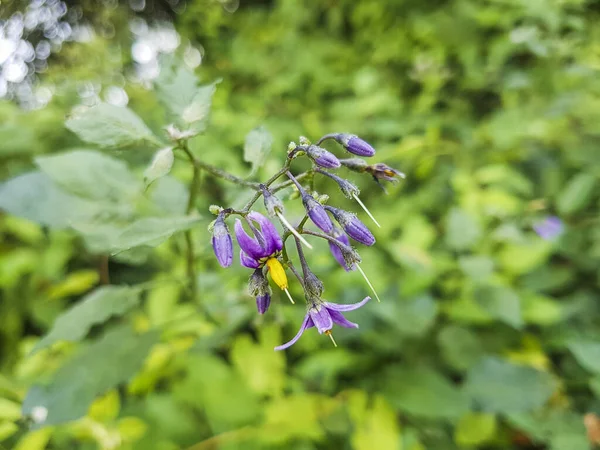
(487, 336)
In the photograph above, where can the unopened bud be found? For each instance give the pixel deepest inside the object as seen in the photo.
(258, 286)
(352, 225)
(272, 204)
(317, 213)
(322, 157)
(335, 249)
(221, 242)
(354, 144)
(215, 209)
(348, 189)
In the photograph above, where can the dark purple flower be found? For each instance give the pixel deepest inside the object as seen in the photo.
(258, 286)
(253, 250)
(550, 228)
(317, 213)
(335, 250)
(323, 315)
(352, 225)
(322, 157)
(381, 171)
(222, 243)
(355, 145)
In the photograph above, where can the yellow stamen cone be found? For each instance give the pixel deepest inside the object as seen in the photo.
(278, 275)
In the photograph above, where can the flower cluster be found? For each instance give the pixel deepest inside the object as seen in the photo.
(263, 249)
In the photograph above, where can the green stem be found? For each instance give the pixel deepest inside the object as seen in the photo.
(189, 241)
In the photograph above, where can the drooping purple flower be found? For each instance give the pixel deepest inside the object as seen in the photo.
(322, 157)
(253, 250)
(352, 225)
(222, 243)
(317, 213)
(323, 315)
(335, 250)
(550, 228)
(355, 145)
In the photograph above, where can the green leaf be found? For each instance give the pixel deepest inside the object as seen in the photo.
(89, 174)
(152, 231)
(196, 113)
(9, 410)
(35, 197)
(374, 427)
(175, 85)
(474, 429)
(110, 126)
(577, 194)
(261, 367)
(423, 392)
(96, 368)
(587, 354)
(462, 231)
(95, 308)
(160, 166)
(257, 147)
(460, 347)
(496, 385)
(501, 303)
(476, 267)
(412, 317)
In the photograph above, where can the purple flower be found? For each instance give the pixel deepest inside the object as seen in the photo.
(322, 157)
(355, 145)
(317, 213)
(258, 286)
(335, 250)
(266, 243)
(381, 171)
(550, 228)
(323, 315)
(222, 243)
(352, 225)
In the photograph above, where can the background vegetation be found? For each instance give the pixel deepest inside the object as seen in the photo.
(487, 335)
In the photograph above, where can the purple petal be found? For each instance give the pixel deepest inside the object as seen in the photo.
(550, 228)
(248, 244)
(308, 322)
(351, 307)
(339, 318)
(335, 250)
(359, 232)
(248, 261)
(270, 233)
(321, 318)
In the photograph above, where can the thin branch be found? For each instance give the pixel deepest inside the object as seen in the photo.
(189, 241)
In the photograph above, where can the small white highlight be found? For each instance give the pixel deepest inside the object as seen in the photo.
(293, 231)
(289, 296)
(39, 414)
(367, 280)
(365, 208)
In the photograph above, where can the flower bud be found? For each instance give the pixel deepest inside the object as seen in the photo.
(221, 242)
(352, 225)
(348, 189)
(349, 255)
(312, 285)
(354, 144)
(258, 286)
(272, 204)
(263, 302)
(317, 213)
(336, 251)
(322, 157)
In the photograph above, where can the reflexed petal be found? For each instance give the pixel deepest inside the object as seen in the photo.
(248, 244)
(247, 261)
(308, 322)
(339, 319)
(351, 307)
(321, 318)
(270, 233)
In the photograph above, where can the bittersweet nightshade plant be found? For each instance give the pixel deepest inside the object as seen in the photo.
(263, 249)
